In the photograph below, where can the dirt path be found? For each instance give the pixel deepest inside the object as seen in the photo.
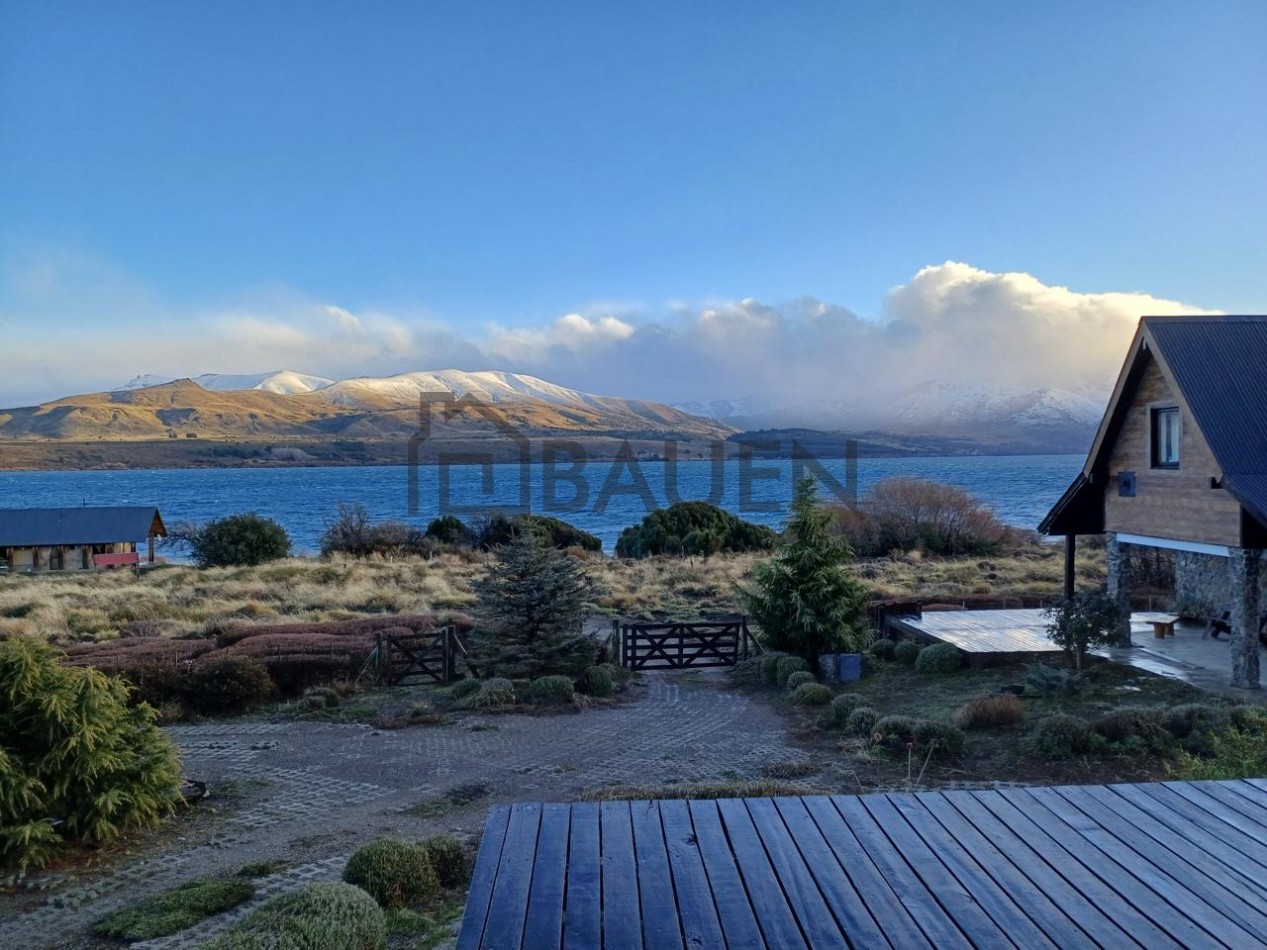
(308, 794)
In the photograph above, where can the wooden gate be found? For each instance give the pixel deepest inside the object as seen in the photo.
(677, 646)
(416, 657)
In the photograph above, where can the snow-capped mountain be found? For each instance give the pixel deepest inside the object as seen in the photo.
(486, 385)
(727, 408)
(284, 382)
(958, 405)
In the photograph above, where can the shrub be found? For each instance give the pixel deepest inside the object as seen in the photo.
(692, 528)
(449, 529)
(904, 514)
(227, 684)
(448, 858)
(552, 689)
(1060, 736)
(906, 652)
(464, 688)
(895, 731)
(77, 762)
(787, 666)
(1085, 620)
(394, 873)
(175, 910)
(599, 681)
(1194, 719)
(770, 666)
(941, 737)
(235, 541)
(1052, 681)
(1238, 750)
(985, 712)
(332, 916)
(529, 612)
(748, 671)
(842, 706)
(862, 721)
(804, 598)
(321, 697)
(939, 659)
(556, 533)
(797, 678)
(492, 692)
(812, 694)
(882, 649)
(1143, 723)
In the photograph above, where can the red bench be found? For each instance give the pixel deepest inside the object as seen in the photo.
(116, 560)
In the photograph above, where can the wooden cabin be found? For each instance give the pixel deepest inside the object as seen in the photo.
(1180, 462)
(76, 539)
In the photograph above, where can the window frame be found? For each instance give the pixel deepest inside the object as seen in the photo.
(1155, 416)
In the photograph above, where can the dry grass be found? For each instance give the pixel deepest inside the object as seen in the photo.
(179, 601)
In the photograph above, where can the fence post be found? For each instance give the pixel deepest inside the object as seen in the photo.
(450, 661)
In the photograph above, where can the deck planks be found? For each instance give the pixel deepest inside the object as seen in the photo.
(1154, 865)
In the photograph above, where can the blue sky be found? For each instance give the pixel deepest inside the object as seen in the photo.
(461, 173)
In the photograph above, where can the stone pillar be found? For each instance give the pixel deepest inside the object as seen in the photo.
(1119, 584)
(1242, 567)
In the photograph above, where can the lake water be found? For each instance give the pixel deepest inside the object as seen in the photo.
(602, 498)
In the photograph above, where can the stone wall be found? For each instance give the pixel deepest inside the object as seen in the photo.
(1203, 586)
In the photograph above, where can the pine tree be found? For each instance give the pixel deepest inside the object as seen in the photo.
(529, 612)
(806, 601)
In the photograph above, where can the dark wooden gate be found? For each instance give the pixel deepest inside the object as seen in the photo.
(677, 646)
(417, 657)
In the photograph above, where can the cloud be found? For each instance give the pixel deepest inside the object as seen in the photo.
(950, 321)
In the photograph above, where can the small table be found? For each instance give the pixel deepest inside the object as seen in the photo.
(1164, 627)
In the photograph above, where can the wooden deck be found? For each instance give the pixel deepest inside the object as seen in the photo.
(980, 631)
(1162, 865)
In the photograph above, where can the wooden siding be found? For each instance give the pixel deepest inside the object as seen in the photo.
(1168, 503)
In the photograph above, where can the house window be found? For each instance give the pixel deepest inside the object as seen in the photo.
(1166, 438)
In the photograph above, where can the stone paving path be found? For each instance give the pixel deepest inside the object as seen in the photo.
(308, 794)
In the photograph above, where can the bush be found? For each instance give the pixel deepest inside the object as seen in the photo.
(939, 659)
(986, 712)
(77, 762)
(812, 694)
(552, 689)
(321, 697)
(1060, 736)
(449, 529)
(497, 691)
(770, 667)
(448, 858)
(906, 652)
(236, 541)
(599, 681)
(895, 731)
(787, 666)
(394, 873)
(899, 733)
(798, 678)
(1238, 750)
(862, 721)
(331, 916)
(175, 910)
(842, 706)
(691, 528)
(905, 514)
(748, 671)
(530, 606)
(1085, 620)
(1133, 722)
(464, 688)
(1052, 681)
(228, 684)
(883, 649)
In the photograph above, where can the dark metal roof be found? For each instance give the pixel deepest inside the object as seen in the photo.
(1080, 510)
(38, 527)
(1220, 366)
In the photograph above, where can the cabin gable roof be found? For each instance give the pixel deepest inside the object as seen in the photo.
(51, 527)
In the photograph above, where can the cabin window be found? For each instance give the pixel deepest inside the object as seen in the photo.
(1166, 438)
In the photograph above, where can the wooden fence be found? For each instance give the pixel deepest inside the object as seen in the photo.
(402, 659)
(673, 645)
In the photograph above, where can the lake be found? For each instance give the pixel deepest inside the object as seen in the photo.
(601, 498)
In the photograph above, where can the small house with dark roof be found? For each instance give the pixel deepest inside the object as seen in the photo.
(76, 539)
(1180, 462)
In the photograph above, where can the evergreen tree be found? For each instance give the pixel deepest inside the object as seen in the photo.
(806, 601)
(529, 611)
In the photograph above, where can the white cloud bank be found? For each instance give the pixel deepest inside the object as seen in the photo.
(949, 322)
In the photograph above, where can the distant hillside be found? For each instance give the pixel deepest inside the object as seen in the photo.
(356, 409)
